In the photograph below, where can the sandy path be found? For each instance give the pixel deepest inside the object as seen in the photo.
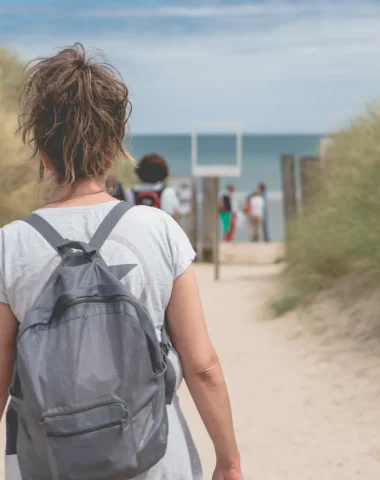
(299, 415)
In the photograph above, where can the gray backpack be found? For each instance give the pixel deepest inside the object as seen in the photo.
(91, 381)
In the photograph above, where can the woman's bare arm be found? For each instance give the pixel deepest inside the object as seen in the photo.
(202, 371)
(8, 331)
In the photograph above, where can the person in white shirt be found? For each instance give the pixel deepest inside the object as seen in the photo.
(153, 172)
(256, 216)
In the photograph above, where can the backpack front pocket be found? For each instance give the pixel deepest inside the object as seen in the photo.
(91, 444)
(85, 420)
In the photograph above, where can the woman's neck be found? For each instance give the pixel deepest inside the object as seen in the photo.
(82, 193)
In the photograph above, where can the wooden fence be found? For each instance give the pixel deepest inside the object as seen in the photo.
(309, 170)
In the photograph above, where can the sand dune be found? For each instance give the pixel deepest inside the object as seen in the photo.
(306, 407)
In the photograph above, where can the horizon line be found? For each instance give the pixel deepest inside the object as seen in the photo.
(257, 133)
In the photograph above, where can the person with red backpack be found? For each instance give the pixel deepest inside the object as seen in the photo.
(153, 172)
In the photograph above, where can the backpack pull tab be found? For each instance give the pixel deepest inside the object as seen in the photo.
(65, 247)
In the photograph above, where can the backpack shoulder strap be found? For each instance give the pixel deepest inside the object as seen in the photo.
(108, 224)
(44, 228)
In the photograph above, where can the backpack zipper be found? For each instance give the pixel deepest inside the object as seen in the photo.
(84, 432)
(103, 299)
(122, 421)
(80, 410)
(113, 298)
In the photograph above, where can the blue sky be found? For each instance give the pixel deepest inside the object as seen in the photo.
(269, 65)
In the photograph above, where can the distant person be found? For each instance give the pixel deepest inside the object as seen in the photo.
(263, 192)
(256, 216)
(153, 173)
(115, 188)
(227, 212)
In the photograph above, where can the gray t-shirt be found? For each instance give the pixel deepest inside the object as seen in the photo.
(145, 236)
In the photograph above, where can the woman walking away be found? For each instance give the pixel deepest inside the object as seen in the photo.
(85, 288)
(153, 172)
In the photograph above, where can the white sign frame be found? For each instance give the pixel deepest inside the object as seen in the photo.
(217, 170)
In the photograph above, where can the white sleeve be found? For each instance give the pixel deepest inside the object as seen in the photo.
(182, 253)
(170, 201)
(234, 203)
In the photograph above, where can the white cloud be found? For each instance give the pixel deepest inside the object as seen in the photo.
(296, 71)
(277, 8)
(200, 12)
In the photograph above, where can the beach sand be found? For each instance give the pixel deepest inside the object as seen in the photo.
(302, 410)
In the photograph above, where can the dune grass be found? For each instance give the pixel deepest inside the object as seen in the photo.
(18, 173)
(124, 170)
(339, 233)
(11, 69)
(285, 304)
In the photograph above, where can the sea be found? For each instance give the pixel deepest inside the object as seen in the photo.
(261, 162)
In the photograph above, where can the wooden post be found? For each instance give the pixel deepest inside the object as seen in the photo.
(193, 216)
(288, 187)
(325, 145)
(210, 217)
(310, 168)
(216, 222)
